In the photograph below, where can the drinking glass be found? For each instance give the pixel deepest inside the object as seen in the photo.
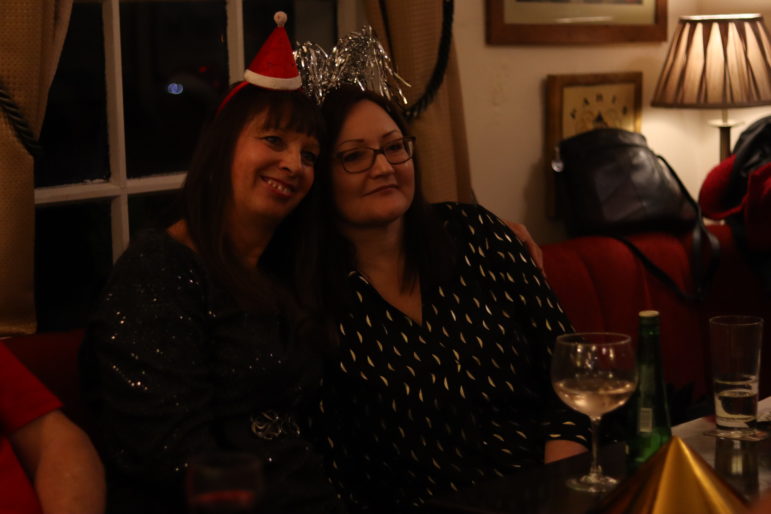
(735, 343)
(224, 483)
(594, 373)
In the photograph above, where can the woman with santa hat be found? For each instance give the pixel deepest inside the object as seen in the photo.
(202, 341)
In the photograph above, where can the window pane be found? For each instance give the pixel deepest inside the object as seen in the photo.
(73, 257)
(174, 70)
(158, 210)
(307, 20)
(74, 134)
(258, 23)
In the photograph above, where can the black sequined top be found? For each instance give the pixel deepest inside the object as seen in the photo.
(414, 411)
(174, 367)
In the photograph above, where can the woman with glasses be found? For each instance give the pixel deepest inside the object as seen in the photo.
(444, 326)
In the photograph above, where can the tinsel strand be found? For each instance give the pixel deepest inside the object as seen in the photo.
(357, 58)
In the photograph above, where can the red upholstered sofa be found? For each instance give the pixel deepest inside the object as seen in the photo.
(601, 285)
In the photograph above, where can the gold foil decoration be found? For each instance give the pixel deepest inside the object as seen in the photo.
(675, 479)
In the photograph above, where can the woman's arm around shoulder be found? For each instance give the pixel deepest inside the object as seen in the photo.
(523, 234)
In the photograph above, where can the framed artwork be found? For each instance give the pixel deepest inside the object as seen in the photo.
(578, 103)
(575, 21)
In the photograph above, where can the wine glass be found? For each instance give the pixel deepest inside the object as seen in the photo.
(224, 482)
(594, 373)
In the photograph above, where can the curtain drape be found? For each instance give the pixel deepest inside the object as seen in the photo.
(32, 34)
(412, 38)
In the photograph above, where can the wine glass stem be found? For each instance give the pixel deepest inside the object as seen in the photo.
(595, 470)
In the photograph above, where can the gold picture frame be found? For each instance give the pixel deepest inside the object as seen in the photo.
(551, 22)
(582, 102)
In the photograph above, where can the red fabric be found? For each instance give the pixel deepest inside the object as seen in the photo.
(711, 194)
(584, 272)
(22, 399)
(757, 213)
(755, 205)
(602, 286)
(53, 358)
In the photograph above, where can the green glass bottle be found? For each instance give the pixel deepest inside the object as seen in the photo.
(649, 411)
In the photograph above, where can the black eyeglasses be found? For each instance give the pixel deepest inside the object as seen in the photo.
(358, 160)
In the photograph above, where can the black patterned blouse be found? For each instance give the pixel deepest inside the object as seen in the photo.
(414, 411)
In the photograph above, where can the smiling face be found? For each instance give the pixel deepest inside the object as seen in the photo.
(271, 172)
(382, 194)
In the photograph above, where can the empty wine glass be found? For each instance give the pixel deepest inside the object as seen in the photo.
(224, 482)
(594, 373)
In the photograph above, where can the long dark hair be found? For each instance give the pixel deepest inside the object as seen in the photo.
(429, 254)
(208, 189)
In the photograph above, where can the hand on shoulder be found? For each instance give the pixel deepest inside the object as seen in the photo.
(523, 234)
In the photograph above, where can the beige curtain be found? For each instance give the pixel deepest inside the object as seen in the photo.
(415, 29)
(31, 37)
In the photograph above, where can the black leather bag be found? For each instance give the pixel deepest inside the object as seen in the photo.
(611, 183)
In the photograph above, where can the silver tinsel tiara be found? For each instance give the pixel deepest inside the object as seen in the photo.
(358, 59)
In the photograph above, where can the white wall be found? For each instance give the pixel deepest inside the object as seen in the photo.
(503, 95)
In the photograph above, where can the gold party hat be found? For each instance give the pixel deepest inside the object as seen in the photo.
(674, 480)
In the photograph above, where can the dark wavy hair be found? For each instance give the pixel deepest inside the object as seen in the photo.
(290, 256)
(428, 248)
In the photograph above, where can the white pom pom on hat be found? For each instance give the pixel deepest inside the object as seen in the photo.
(274, 66)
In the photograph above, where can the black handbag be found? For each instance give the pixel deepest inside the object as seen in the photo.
(611, 183)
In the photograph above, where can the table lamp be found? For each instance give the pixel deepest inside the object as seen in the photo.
(717, 62)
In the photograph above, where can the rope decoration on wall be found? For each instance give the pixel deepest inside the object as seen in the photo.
(442, 58)
(20, 126)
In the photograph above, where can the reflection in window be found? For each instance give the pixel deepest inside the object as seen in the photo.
(307, 20)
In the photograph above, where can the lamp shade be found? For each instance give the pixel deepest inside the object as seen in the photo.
(717, 61)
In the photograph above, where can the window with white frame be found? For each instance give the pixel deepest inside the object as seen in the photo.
(135, 83)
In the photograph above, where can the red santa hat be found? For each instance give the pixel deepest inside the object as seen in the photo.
(274, 66)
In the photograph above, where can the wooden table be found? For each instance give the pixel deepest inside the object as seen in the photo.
(744, 465)
(538, 490)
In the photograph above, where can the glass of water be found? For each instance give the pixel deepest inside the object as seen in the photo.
(735, 343)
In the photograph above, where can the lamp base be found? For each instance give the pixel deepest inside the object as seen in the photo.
(725, 125)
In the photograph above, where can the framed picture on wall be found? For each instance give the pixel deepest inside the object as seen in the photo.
(578, 103)
(575, 21)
